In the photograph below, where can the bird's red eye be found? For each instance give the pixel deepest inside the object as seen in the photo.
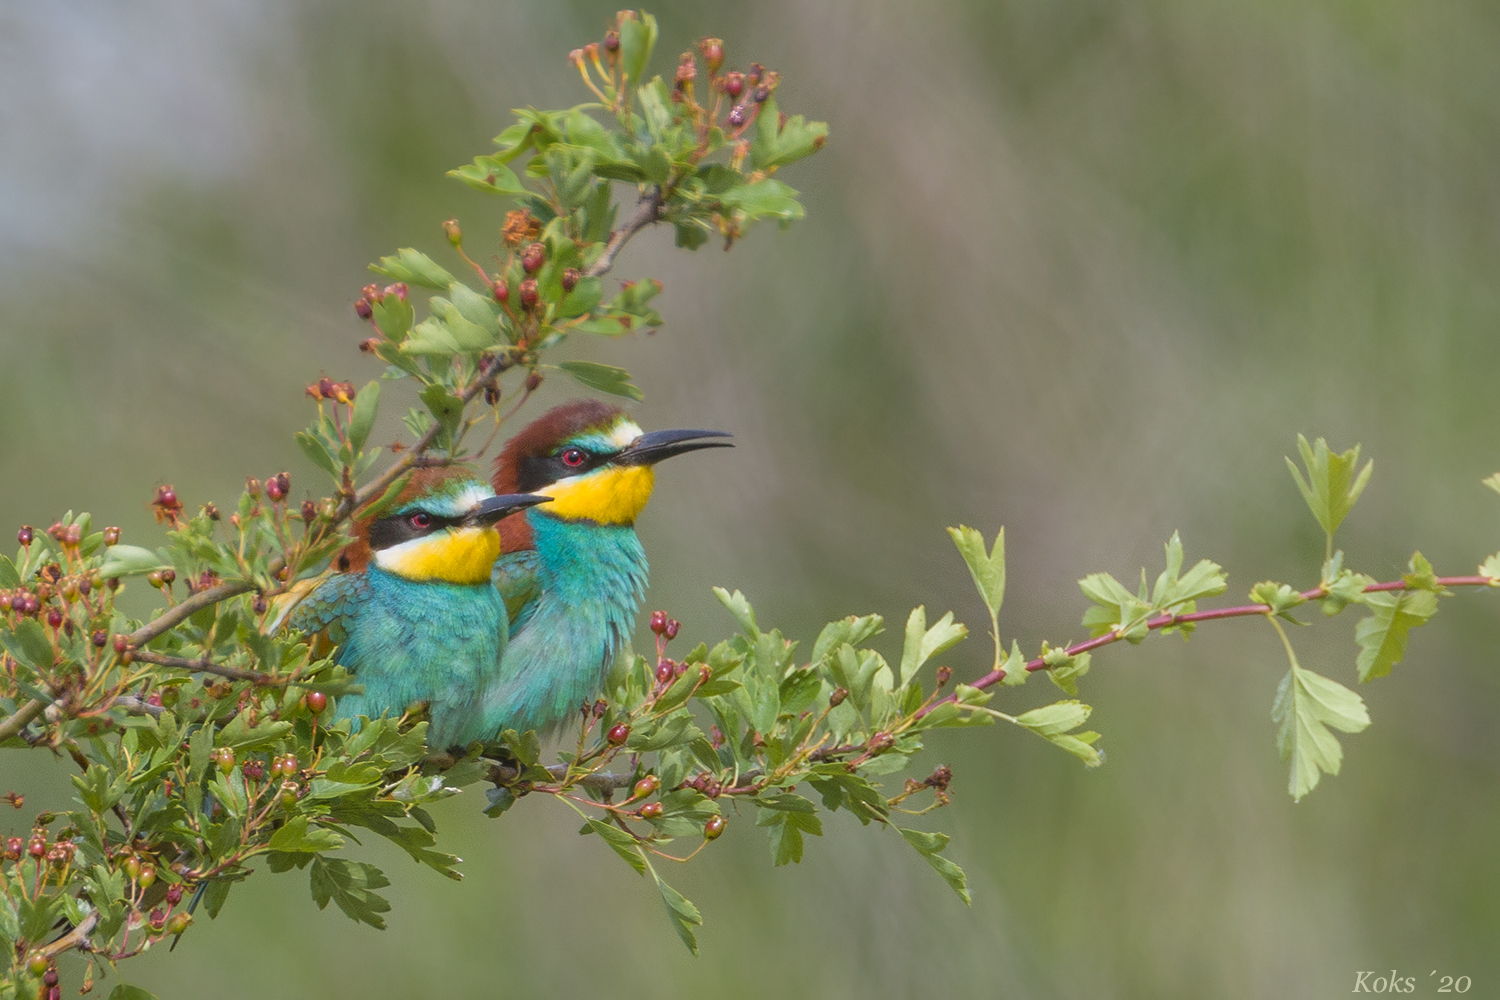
(573, 457)
(421, 519)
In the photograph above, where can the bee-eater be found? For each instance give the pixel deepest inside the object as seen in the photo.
(412, 606)
(573, 571)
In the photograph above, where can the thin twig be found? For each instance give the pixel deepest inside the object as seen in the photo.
(78, 937)
(1239, 611)
(206, 666)
(647, 211)
(22, 718)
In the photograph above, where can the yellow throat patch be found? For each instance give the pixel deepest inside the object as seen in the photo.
(609, 495)
(454, 555)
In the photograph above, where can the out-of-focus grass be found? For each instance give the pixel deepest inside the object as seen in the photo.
(1081, 269)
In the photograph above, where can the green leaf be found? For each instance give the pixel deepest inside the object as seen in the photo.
(125, 991)
(1306, 705)
(787, 826)
(366, 404)
(1172, 591)
(350, 884)
(923, 643)
(681, 911)
(1382, 636)
(445, 407)
(414, 268)
(987, 568)
(605, 378)
(1015, 668)
(1331, 487)
(393, 316)
(776, 143)
(9, 576)
(489, 174)
(739, 606)
(1280, 597)
(1116, 609)
(620, 842)
(765, 199)
(1493, 482)
(1063, 668)
(1053, 722)
(637, 39)
(929, 845)
(316, 452)
(1491, 568)
(296, 837)
(28, 643)
(130, 560)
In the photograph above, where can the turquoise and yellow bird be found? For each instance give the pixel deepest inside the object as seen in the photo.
(412, 607)
(573, 570)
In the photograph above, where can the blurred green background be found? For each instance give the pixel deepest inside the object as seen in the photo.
(1083, 269)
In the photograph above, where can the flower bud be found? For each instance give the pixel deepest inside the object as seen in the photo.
(600, 707)
(713, 53)
(371, 293)
(362, 309)
(450, 229)
(399, 290)
(100, 638)
(529, 295)
(611, 41)
(944, 674)
(671, 628)
(760, 95)
(533, 257)
(111, 536)
(309, 512)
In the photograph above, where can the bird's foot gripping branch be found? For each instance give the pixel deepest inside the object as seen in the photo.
(208, 741)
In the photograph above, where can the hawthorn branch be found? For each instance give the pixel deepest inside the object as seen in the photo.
(1239, 611)
(22, 718)
(206, 666)
(78, 937)
(647, 211)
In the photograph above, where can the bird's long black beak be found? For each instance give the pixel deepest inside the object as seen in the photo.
(492, 509)
(648, 449)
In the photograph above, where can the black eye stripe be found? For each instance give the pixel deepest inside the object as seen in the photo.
(389, 531)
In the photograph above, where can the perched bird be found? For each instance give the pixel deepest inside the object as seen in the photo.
(573, 570)
(412, 609)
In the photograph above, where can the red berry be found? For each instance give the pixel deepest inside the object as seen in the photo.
(645, 786)
(37, 848)
(570, 278)
(664, 672)
(651, 810)
(168, 576)
(316, 702)
(25, 535)
(533, 257)
(944, 674)
(713, 53)
(111, 536)
(31, 605)
(611, 41)
(529, 294)
(274, 490)
(121, 643)
(158, 918)
(101, 638)
(714, 828)
(618, 734)
(501, 289)
(737, 116)
(760, 95)
(50, 979)
(55, 617)
(672, 628)
(658, 622)
(174, 895)
(362, 309)
(734, 84)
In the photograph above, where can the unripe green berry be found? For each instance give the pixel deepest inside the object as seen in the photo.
(714, 828)
(645, 787)
(651, 810)
(131, 866)
(180, 922)
(37, 965)
(147, 877)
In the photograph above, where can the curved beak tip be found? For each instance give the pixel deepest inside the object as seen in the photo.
(492, 509)
(648, 449)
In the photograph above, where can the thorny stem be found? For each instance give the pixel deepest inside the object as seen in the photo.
(206, 666)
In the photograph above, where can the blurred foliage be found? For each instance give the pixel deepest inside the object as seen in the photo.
(1199, 226)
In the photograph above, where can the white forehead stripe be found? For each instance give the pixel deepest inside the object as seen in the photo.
(625, 432)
